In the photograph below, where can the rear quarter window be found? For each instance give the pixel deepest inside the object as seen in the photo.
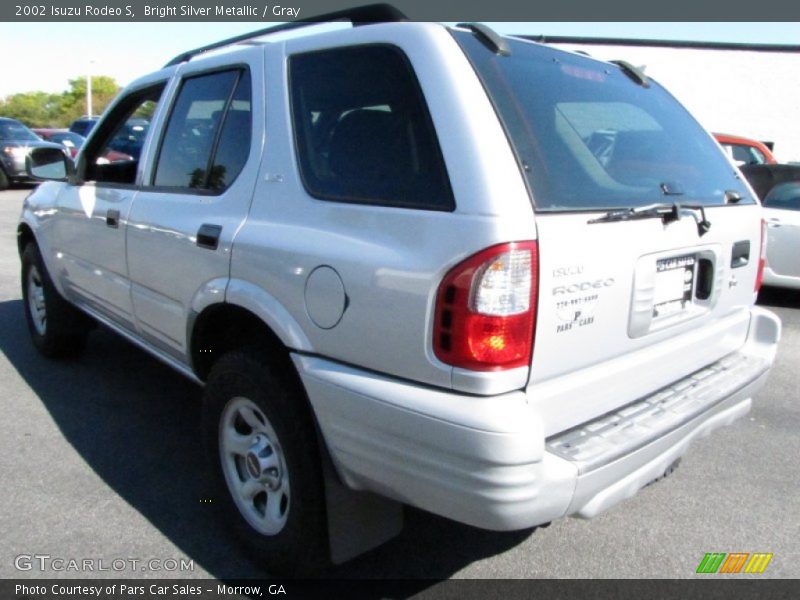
(362, 129)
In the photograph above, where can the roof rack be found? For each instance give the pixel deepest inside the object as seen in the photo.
(360, 15)
(488, 37)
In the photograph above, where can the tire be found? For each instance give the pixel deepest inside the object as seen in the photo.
(256, 421)
(56, 327)
(4, 181)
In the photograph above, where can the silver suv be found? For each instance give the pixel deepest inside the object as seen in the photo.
(411, 264)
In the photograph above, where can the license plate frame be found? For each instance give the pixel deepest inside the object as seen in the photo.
(674, 285)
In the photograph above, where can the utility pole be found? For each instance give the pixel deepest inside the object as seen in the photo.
(89, 90)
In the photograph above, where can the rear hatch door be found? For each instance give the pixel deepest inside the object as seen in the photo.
(649, 238)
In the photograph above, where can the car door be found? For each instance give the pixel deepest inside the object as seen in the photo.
(197, 195)
(93, 213)
(782, 213)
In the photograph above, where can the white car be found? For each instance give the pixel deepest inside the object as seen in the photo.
(782, 213)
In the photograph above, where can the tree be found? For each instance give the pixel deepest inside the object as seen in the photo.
(40, 109)
(104, 89)
(35, 109)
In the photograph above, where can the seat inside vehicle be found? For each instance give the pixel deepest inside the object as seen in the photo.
(371, 148)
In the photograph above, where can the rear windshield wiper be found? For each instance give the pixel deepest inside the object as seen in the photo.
(668, 213)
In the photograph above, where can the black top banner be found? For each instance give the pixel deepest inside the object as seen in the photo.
(416, 10)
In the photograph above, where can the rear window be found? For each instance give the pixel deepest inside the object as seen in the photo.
(746, 155)
(589, 138)
(363, 132)
(785, 196)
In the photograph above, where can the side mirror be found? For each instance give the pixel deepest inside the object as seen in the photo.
(48, 164)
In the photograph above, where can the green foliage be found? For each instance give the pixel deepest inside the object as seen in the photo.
(145, 111)
(35, 109)
(40, 109)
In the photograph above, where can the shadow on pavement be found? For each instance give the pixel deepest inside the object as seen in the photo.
(22, 186)
(137, 424)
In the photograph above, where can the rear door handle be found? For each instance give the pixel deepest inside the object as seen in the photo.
(773, 222)
(112, 218)
(208, 236)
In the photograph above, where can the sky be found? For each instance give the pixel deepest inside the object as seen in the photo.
(44, 56)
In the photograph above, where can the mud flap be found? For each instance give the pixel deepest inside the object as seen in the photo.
(357, 521)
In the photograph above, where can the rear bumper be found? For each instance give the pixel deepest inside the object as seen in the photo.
(485, 460)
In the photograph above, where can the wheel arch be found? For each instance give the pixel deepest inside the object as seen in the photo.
(223, 327)
(5, 180)
(24, 237)
(231, 314)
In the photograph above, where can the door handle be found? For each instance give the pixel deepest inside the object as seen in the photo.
(208, 236)
(112, 218)
(773, 222)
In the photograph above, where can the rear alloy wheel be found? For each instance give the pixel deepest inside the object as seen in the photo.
(261, 440)
(254, 466)
(56, 327)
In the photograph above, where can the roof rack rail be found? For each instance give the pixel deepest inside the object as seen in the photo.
(360, 15)
(488, 37)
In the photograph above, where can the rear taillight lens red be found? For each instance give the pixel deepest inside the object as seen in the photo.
(762, 258)
(486, 309)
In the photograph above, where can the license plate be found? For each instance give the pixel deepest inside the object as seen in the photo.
(674, 284)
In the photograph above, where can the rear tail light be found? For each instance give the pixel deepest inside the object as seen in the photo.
(762, 259)
(486, 309)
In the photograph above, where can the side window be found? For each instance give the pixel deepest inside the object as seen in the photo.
(116, 148)
(207, 138)
(363, 132)
(234, 140)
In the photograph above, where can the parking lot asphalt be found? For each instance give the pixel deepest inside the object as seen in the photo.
(101, 458)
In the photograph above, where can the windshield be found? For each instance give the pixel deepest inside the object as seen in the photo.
(14, 131)
(588, 137)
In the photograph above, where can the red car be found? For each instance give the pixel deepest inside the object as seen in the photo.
(745, 151)
(71, 141)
